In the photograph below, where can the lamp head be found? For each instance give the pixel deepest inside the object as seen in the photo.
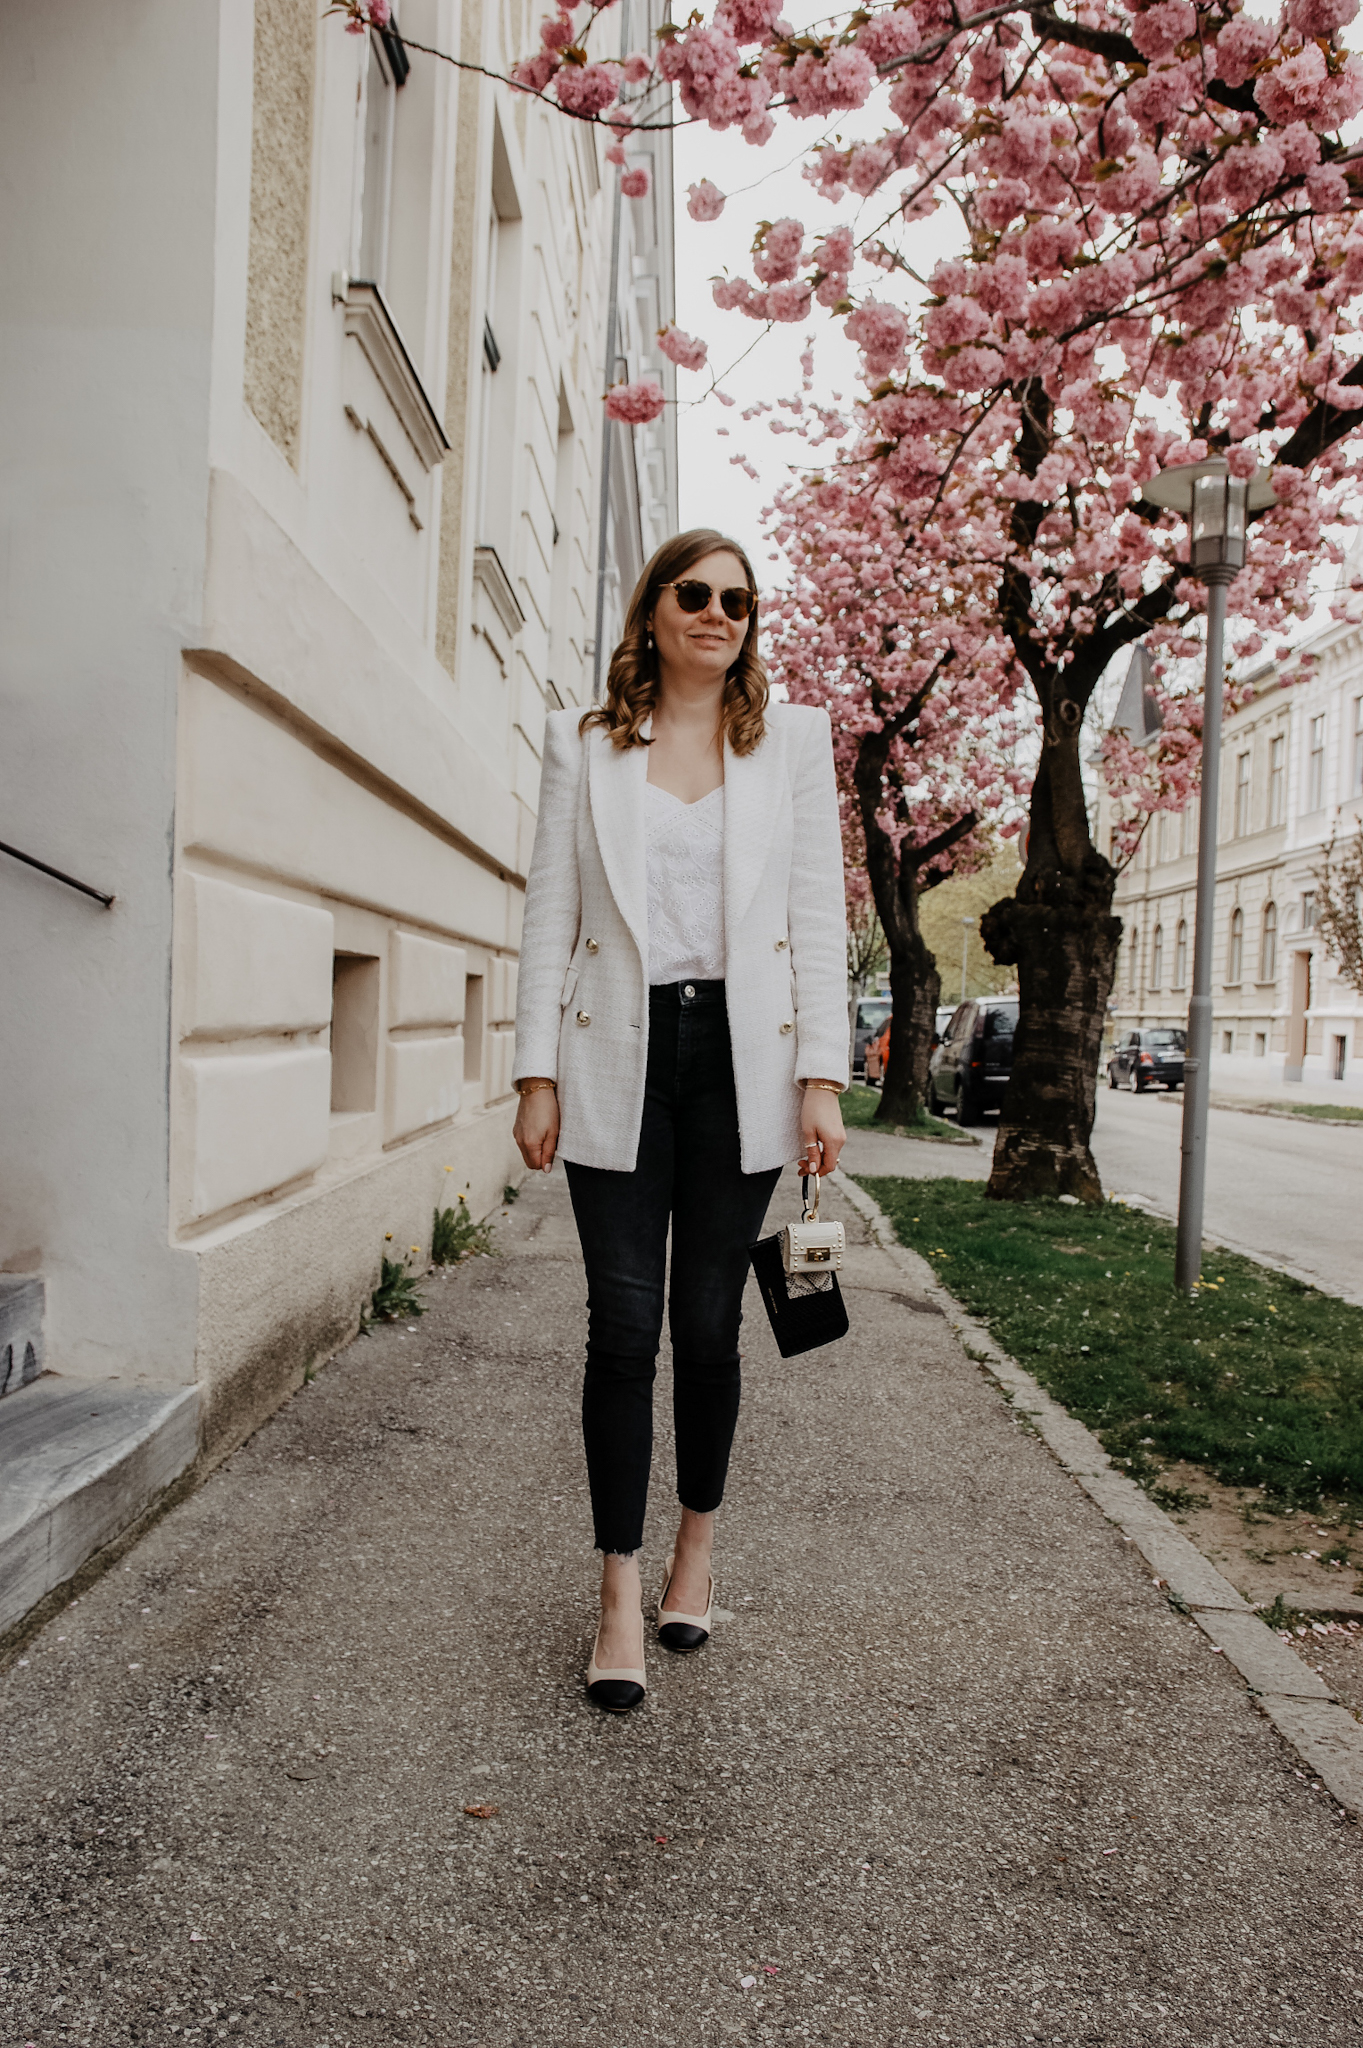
(1216, 505)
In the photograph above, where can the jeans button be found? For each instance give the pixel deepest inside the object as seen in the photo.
(688, 990)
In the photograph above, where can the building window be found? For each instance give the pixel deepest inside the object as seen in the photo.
(1308, 910)
(1242, 796)
(1315, 766)
(376, 190)
(1181, 954)
(473, 1027)
(1157, 957)
(1235, 952)
(1260, 1045)
(1356, 766)
(1192, 810)
(1341, 1047)
(1277, 779)
(1268, 944)
(1228, 1041)
(354, 1032)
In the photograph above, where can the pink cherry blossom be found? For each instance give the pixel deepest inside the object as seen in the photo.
(587, 88)
(887, 36)
(535, 72)
(637, 67)
(705, 201)
(778, 256)
(635, 184)
(683, 349)
(882, 332)
(556, 31)
(637, 403)
(1320, 17)
(1159, 29)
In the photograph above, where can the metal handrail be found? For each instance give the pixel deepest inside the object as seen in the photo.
(30, 860)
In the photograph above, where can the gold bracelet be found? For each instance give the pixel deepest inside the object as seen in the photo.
(829, 1087)
(533, 1087)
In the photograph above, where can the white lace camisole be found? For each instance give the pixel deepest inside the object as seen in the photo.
(685, 886)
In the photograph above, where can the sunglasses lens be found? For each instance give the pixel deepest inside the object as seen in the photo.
(737, 603)
(692, 597)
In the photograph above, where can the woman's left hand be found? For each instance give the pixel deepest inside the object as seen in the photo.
(821, 1133)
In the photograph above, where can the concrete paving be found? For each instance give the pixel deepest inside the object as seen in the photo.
(1278, 1189)
(952, 1769)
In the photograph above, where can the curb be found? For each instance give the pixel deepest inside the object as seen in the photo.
(1293, 1697)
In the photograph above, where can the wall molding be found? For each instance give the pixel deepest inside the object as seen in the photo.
(368, 319)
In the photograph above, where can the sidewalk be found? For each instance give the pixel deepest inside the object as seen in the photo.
(952, 1770)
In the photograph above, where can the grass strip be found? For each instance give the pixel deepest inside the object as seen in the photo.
(1258, 1379)
(1336, 1112)
(859, 1106)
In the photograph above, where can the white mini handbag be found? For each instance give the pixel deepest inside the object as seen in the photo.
(809, 1248)
(797, 1276)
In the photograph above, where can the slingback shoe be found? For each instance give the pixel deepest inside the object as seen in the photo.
(683, 1631)
(615, 1691)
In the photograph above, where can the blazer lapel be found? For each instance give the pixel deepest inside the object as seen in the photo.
(615, 785)
(751, 786)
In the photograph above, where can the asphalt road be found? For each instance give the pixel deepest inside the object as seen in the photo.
(312, 1767)
(1278, 1188)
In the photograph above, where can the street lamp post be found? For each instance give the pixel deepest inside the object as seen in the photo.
(1215, 504)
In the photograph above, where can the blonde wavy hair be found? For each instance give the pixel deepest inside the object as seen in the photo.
(633, 681)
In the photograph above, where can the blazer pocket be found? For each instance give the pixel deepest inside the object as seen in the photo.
(569, 987)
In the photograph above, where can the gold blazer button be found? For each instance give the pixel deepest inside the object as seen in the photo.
(785, 1028)
(592, 946)
(583, 1018)
(781, 945)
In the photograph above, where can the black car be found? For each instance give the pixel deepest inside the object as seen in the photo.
(970, 1068)
(870, 1019)
(1145, 1058)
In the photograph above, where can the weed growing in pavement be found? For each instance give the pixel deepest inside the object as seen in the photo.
(1258, 1379)
(859, 1106)
(510, 1195)
(396, 1297)
(1280, 1615)
(455, 1235)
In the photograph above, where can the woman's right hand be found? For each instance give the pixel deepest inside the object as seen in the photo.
(536, 1128)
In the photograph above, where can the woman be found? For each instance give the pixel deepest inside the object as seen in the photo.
(686, 883)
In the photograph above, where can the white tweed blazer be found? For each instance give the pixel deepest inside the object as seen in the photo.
(582, 1010)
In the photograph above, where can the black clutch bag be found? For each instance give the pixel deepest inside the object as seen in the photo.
(796, 1274)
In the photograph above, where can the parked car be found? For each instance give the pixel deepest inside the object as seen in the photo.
(878, 1048)
(872, 1014)
(969, 1070)
(1145, 1059)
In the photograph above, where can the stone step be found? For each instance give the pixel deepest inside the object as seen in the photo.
(80, 1460)
(21, 1330)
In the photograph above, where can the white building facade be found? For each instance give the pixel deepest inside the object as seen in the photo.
(1291, 780)
(306, 343)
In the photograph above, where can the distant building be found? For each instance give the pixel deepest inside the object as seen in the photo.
(1291, 776)
(305, 351)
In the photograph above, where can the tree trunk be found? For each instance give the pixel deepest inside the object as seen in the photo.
(915, 987)
(1060, 932)
(893, 871)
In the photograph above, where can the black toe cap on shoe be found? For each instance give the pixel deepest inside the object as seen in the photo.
(616, 1695)
(679, 1635)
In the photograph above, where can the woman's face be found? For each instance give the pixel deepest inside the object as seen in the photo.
(704, 643)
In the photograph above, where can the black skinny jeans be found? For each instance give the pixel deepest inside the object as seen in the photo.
(687, 1170)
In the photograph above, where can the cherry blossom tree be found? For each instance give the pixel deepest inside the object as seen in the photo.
(1159, 259)
(1339, 912)
(920, 694)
